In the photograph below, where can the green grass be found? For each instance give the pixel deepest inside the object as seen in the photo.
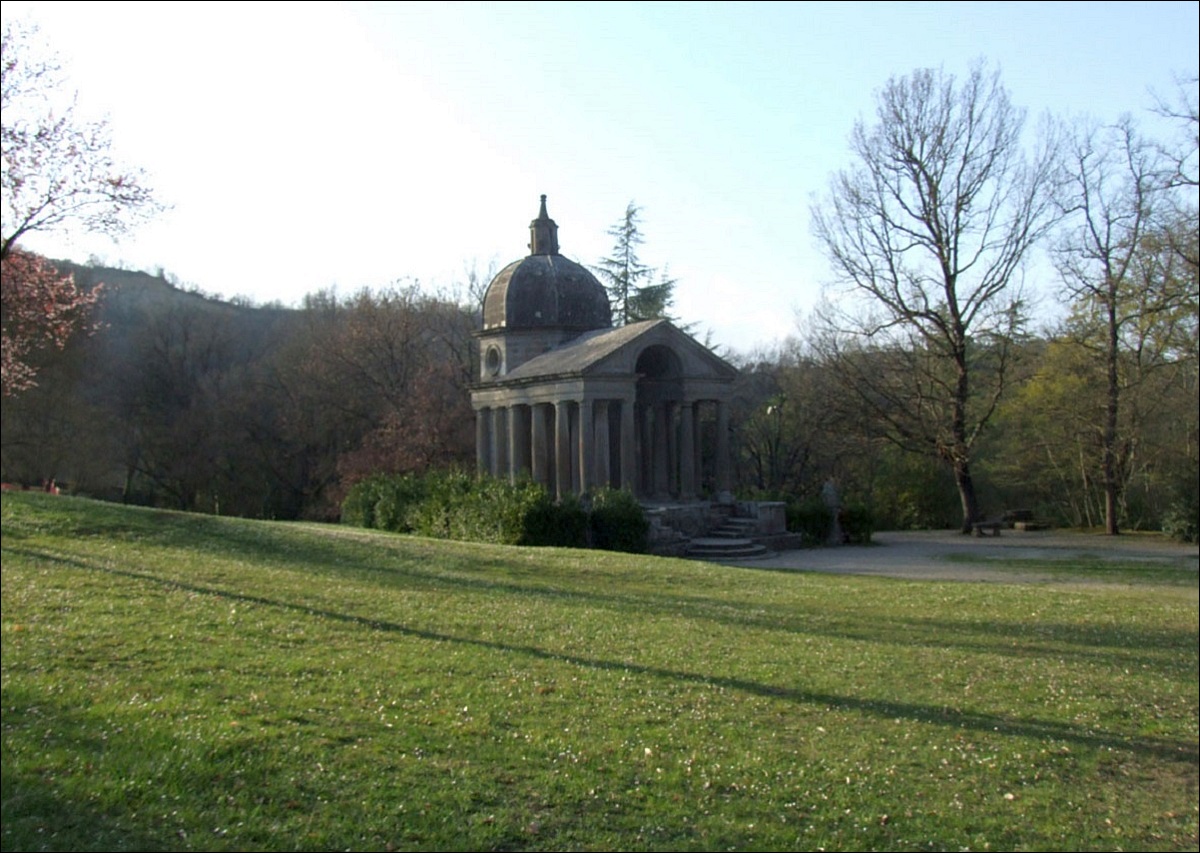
(1097, 568)
(177, 682)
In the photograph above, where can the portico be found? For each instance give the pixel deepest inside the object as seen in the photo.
(641, 407)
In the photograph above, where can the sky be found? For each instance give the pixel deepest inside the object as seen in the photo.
(308, 146)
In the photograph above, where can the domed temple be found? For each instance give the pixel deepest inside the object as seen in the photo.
(576, 404)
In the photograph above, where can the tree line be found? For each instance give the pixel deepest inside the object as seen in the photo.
(929, 234)
(199, 404)
(190, 402)
(919, 383)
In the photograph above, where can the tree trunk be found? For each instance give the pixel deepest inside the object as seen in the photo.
(966, 494)
(962, 450)
(1110, 423)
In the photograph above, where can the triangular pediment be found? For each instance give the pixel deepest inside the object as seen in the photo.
(615, 352)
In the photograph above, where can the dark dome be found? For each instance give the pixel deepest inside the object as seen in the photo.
(545, 290)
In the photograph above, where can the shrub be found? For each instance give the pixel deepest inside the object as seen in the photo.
(382, 501)
(398, 498)
(358, 508)
(618, 522)
(812, 519)
(1182, 520)
(455, 504)
(563, 524)
(858, 523)
(501, 512)
(462, 506)
(438, 514)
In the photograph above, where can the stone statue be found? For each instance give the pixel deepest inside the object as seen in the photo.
(829, 495)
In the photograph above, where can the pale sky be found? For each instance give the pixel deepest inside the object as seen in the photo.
(304, 146)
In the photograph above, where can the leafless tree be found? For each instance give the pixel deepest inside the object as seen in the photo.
(58, 169)
(927, 233)
(1114, 268)
(1183, 156)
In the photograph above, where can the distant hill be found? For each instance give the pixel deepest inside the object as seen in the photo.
(131, 298)
(135, 290)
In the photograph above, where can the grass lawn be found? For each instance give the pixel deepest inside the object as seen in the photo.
(183, 682)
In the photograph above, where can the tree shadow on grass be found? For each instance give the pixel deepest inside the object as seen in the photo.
(1110, 644)
(1184, 751)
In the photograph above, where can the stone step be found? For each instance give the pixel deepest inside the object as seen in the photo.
(722, 548)
(735, 528)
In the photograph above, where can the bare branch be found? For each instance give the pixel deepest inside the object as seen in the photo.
(57, 171)
(926, 234)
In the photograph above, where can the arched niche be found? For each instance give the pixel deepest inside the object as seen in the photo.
(659, 375)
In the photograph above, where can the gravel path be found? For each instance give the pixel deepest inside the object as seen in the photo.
(925, 554)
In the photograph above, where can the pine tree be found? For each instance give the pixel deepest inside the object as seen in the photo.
(631, 290)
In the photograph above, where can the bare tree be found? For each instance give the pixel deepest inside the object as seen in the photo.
(1180, 173)
(784, 422)
(926, 235)
(1115, 264)
(56, 172)
(58, 169)
(1182, 158)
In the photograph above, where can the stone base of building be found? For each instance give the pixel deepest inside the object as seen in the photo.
(726, 529)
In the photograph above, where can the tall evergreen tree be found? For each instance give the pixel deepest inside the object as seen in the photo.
(632, 291)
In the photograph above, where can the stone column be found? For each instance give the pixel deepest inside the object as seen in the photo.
(672, 449)
(724, 483)
(662, 451)
(518, 441)
(628, 448)
(603, 446)
(587, 445)
(646, 456)
(494, 415)
(562, 448)
(573, 446)
(687, 452)
(539, 451)
(483, 460)
(500, 425)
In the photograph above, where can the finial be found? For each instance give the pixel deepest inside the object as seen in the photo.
(543, 233)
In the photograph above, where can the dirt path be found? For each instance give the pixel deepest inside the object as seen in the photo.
(926, 554)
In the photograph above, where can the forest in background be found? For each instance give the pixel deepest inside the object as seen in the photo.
(919, 384)
(186, 401)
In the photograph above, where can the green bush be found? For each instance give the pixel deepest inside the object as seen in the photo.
(358, 508)
(398, 498)
(563, 524)
(858, 523)
(462, 506)
(812, 519)
(1182, 520)
(455, 504)
(383, 501)
(439, 514)
(618, 522)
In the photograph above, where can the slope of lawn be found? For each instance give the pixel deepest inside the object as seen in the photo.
(182, 682)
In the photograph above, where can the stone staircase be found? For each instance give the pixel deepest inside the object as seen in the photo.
(718, 531)
(731, 540)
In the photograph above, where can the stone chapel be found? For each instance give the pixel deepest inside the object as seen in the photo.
(568, 400)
